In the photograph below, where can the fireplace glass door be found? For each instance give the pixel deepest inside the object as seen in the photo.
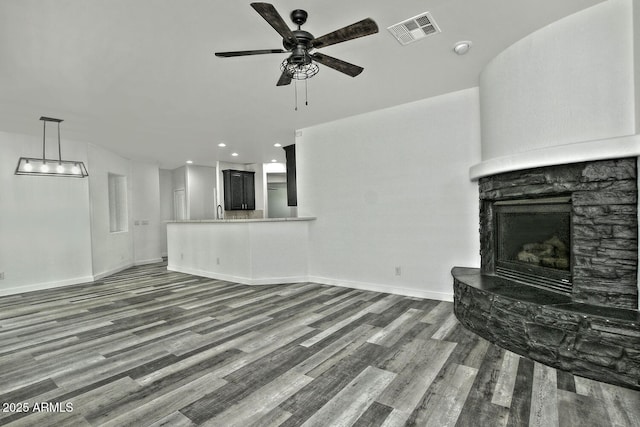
(533, 242)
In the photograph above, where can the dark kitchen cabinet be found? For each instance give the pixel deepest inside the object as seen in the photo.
(239, 190)
(292, 193)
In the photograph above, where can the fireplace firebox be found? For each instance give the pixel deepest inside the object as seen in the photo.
(533, 242)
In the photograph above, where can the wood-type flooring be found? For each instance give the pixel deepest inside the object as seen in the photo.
(149, 347)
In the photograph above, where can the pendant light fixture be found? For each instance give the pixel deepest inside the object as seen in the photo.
(51, 167)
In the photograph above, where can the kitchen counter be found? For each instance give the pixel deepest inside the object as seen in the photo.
(236, 220)
(248, 251)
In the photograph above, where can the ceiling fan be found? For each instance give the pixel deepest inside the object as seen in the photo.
(300, 64)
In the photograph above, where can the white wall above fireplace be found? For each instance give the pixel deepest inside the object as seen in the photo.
(563, 93)
(609, 148)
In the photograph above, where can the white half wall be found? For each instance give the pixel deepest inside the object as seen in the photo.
(44, 223)
(394, 204)
(569, 82)
(248, 252)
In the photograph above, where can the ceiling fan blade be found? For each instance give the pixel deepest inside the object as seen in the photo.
(360, 29)
(337, 64)
(248, 52)
(271, 15)
(285, 79)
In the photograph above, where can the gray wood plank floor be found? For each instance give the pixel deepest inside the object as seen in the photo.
(152, 347)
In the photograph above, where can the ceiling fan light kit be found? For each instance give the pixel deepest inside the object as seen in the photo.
(301, 63)
(299, 71)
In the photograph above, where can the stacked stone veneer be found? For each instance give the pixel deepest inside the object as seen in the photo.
(584, 340)
(604, 198)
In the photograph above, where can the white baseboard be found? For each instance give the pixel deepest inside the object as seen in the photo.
(148, 261)
(365, 286)
(114, 270)
(375, 287)
(389, 289)
(45, 285)
(237, 279)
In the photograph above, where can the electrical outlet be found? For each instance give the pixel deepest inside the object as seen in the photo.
(1, 275)
(218, 260)
(398, 271)
(181, 255)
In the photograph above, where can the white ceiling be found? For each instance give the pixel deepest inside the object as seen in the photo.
(139, 76)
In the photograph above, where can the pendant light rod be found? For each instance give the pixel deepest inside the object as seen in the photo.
(59, 149)
(44, 132)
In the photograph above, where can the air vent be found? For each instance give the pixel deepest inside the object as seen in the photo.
(414, 29)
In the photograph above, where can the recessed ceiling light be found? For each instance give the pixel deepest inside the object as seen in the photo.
(462, 47)
(274, 161)
(234, 154)
(222, 144)
(189, 162)
(277, 144)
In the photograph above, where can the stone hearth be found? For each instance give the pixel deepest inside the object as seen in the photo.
(587, 340)
(592, 330)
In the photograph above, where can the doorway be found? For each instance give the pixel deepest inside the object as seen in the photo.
(179, 205)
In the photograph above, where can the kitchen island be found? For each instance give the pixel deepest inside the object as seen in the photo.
(248, 251)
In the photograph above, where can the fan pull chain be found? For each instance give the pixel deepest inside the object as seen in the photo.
(306, 93)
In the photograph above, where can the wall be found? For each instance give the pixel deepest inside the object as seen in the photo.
(147, 226)
(166, 206)
(259, 186)
(636, 55)
(44, 223)
(569, 92)
(111, 252)
(201, 192)
(276, 196)
(390, 189)
(179, 183)
(275, 172)
(569, 82)
(55, 231)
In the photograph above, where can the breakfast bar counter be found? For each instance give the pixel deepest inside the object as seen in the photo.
(248, 251)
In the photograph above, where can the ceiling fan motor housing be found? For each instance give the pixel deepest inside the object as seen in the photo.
(299, 51)
(299, 56)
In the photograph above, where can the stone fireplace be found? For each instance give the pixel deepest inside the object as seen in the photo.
(598, 221)
(558, 277)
